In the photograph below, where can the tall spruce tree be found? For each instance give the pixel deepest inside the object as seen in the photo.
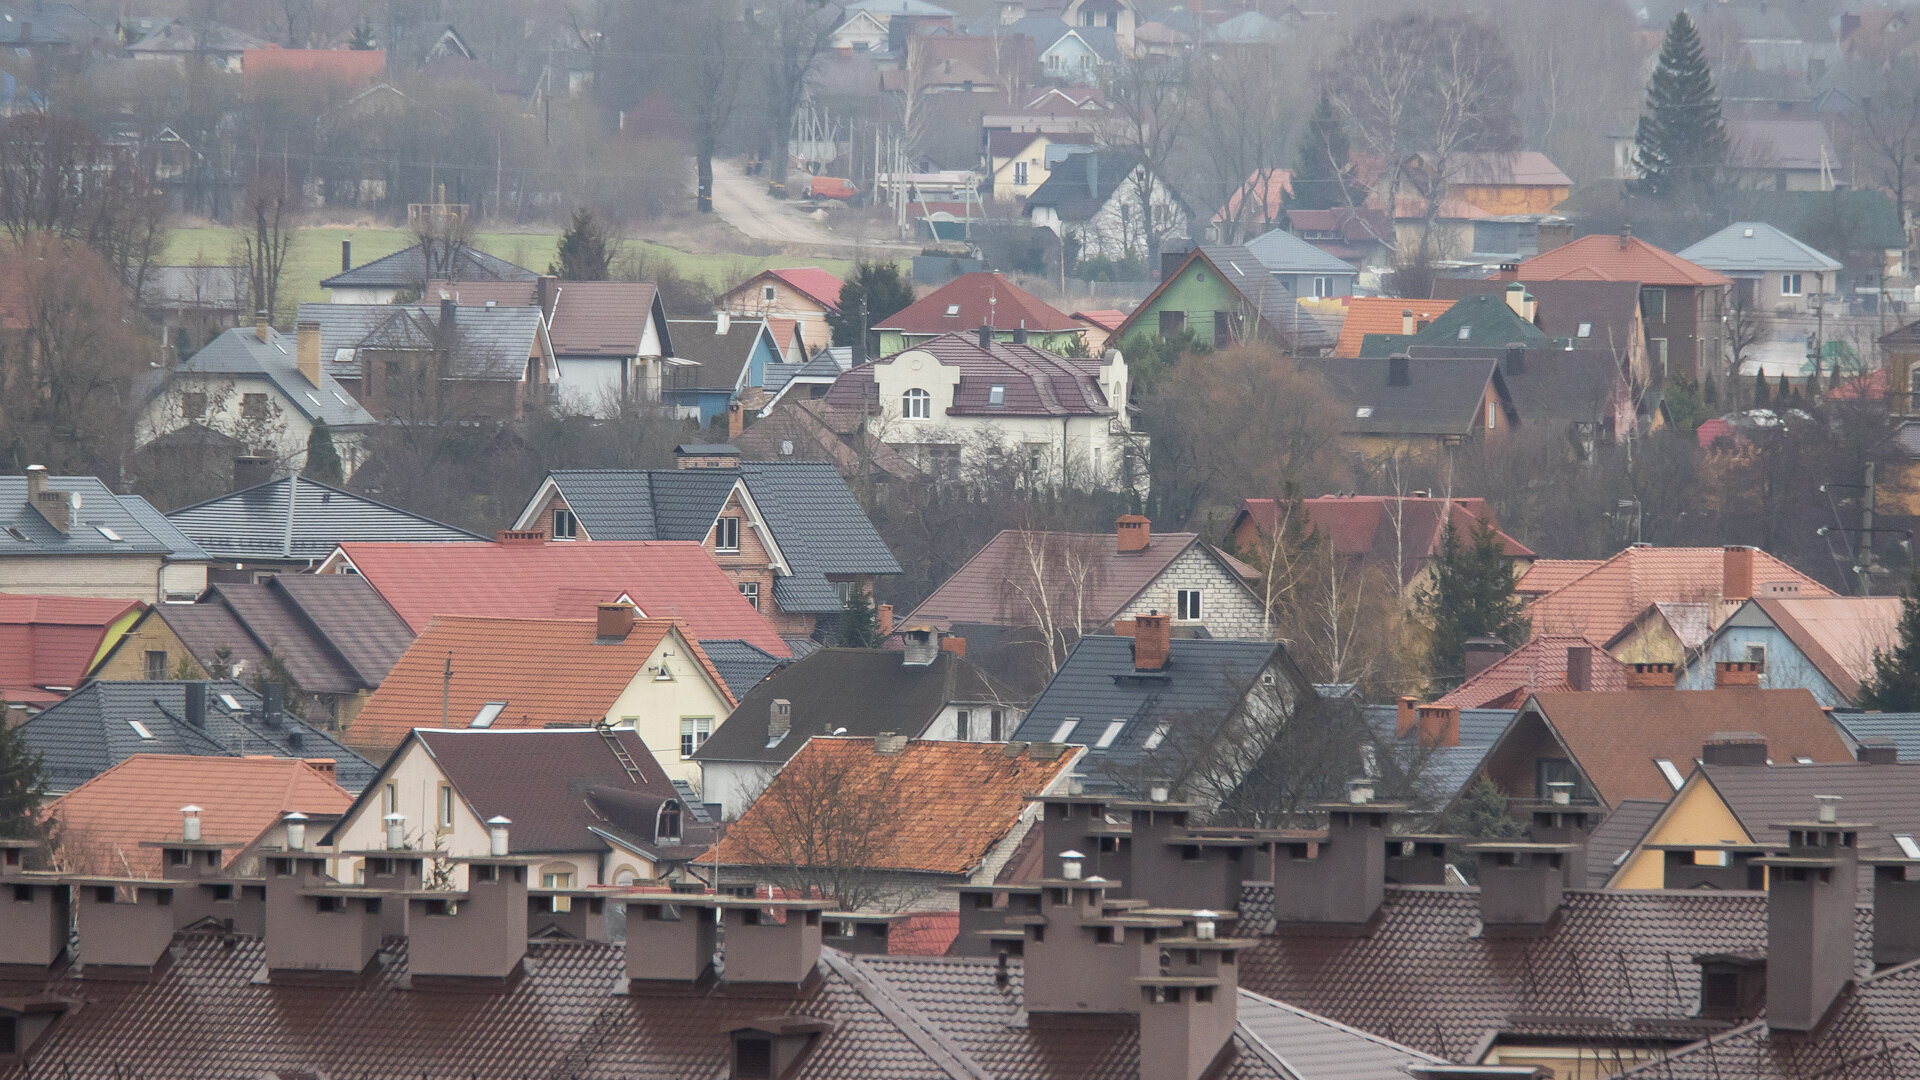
(1321, 177)
(1470, 595)
(1761, 394)
(586, 250)
(885, 290)
(1681, 143)
(323, 459)
(1895, 683)
(23, 785)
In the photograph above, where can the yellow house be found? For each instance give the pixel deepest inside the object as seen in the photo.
(1018, 161)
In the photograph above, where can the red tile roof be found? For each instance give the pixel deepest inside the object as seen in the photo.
(1033, 382)
(104, 821)
(978, 299)
(1108, 319)
(816, 284)
(1601, 601)
(52, 641)
(947, 803)
(1546, 575)
(1382, 315)
(548, 671)
(342, 67)
(675, 579)
(1604, 257)
(1540, 664)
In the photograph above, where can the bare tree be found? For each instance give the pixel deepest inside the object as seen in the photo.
(794, 33)
(1244, 133)
(1889, 123)
(1747, 326)
(272, 223)
(1048, 579)
(59, 178)
(1148, 101)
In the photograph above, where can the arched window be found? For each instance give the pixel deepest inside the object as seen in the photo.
(916, 404)
(667, 828)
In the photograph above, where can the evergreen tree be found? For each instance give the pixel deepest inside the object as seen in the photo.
(1760, 392)
(1479, 813)
(586, 250)
(1783, 393)
(859, 621)
(1321, 177)
(362, 39)
(323, 461)
(1681, 142)
(1471, 595)
(1895, 683)
(23, 786)
(885, 290)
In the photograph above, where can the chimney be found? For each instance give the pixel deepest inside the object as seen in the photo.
(1877, 750)
(1731, 673)
(346, 255)
(1152, 641)
(1406, 322)
(779, 719)
(251, 470)
(866, 934)
(448, 307)
(1020, 333)
(1516, 297)
(296, 830)
(499, 839)
(36, 482)
(985, 336)
(260, 326)
(1810, 915)
(1516, 360)
(315, 928)
(325, 766)
(1480, 653)
(1736, 573)
(196, 704)
(1645, 676)
(883, 619)
(1439, 725)
(765, 948)
(736, 420)
(37, 919)
(1132, 533)
(470, 938)
(59, 508)
(273, 703)
(520, 536)
(1734, 748)
(1626, 237)
(921, 646)
(1408, 718)
(722, 323)
(306, 350)
(613, 622)
(1170, 262)
(124, 926)
(545, 293)
(1340, 881)
(1188, 1010)
(670, 939)
(1579, 667)
(1520, 886)
(889, 743)
(1896, 913)
(955, 645)
(1399, 370)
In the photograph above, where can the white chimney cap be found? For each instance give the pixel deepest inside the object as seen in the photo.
(498, 819)
(394, 816)
(189, 809)
(294, 816)
(1157, 793)
(1071, 855)
(1070, 865)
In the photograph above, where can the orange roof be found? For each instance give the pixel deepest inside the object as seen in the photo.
(1838, 634)
(348, 67)
(1546, 575)
(549, 672)
(1598, 603)
(1609, 257)
(1540, 664)
(940, 807)
(104, 821)
(1269, 195)
(1382, 315)
(1108, 319)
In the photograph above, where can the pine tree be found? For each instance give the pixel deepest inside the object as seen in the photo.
(1321, 177)
(859, 621)
(1895, 683)
(362, 39)
(1471, 595)
(323, 461)
(23, 786)
(881, 285)
(1783, 393)
(586, 250)
(1681, 142)
(1760, 391)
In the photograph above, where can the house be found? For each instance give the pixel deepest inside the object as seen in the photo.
(1582, 393)
(1105, 205)
(72, 536)
(262, 389)
(1148, 708)
(105, 722)
(1783, 153)
(330, 639)
(1737, 803)
(859, 32)
(116, 823)
(409, 269)
(449, 362)
(193, 303)
(291, 524)
(805, 294)
(517, 674)
(586, 808)
(1119, 16)
(1502, 183)
(802, 428)
(1441, 745)
(922, 691)
(179, 40)
(1018, 162)
(1384, 315)
(1074, 54)
(1223, 295)
(1304, 269)
(1822, 644)
(937, 814)
(1771, 271)
(1356, 234)
(1601, 316)
(1098, 327)
(1399, 534)
(722, 358)
(788, 534)
(1421, 404)
(1482, 320)
(1543, 663)
(48, 644)
(525, 575)
(1860, 227)
(1636, 743)
(1605, 599)
(964, 404)
(975, 300)
(1683, 307)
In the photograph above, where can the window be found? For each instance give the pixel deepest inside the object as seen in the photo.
(446, 806)
(1065, 730)
(943, 461)
(667, 830)
(916, 404)
(253, 406)
(1189, 605)
(1907, 846)
(1155, 737)
(193, 405)
(751, 590)
(962, 726)
(994, 730)
(487, 715)
(766, 292)
(140, 729)
(997, 394)
(1657, 352)
(1323, 287)
(1019, 172)
(110, 534)
(565, 525)
(1172, 323)
(389, 799)
(1586, 330)
(1550, 771)
(693, 732)
(1757, 654)
(953, 310)
(1789, 284)
(556, 879)
(156, 664)
(1465, 333)
(753, 1057)
(1668, 770)
(1112, 732)
(1653, 304)
(726, 534)
(1493, 415)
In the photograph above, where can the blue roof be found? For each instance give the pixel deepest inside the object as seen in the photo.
(1756, 245)
(408, 269)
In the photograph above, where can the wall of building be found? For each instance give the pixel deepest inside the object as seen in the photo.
(117, 577)
(1697, 816)
(1227, 609)
(787, 303)
(654, 707)
(1785, 666)
(281, 433)
(128, 660)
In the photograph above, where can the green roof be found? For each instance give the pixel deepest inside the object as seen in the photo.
(1481, 320)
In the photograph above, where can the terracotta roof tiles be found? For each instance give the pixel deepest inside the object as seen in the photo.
(1546, 575)
(1598, 603)
(1540, 664)
(1608, 257)
(979, 592)
(818, 285)
(1382, 315)
(52, 641)
(978, 299)
(1839, 635)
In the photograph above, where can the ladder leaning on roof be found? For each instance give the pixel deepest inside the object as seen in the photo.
(619, 752)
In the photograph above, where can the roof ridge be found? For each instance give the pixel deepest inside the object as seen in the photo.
(877, 991)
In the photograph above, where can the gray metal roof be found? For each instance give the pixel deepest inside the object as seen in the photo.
(141, 528)
(264, 522)
(1902, 728)
(741, 665)
(240, 354)
(1756, 245)
(408, 269)
(342, 328)
(92, 730)
(1281, 252)
(490, 342)
(1312, 1047)
(1255, 283)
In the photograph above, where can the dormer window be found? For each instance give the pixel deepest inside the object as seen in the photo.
(666, 828)
(565, 525)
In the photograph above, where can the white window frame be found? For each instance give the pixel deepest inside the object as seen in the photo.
(997, 394)
(767, 293)
(694, 730)
(1790, 285)
(1190, 605)
(446, 806)
(1493, 415)
(751, 591)
(566, 524)
(916, 404)
(1322, 287)
(1064, 732)
(1109, 734)
(726, 534)
(1155, 737)
(1756, 653)
(1671, 772)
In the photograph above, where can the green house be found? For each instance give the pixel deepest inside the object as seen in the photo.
(1221, 294)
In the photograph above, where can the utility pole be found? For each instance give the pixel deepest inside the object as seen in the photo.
(446, 687)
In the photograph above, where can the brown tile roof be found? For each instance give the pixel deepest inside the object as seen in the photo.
(1838, 634)
(587, 318)
(104, 821)
(1540, 664)
(1601, 601)
(1033, 382)
(1545, 575)
(1382, 315)
(952, 801)
(332, 632)
(1615, 738)
(1364, 525)
(1618, 833)
(981, 591)
(1885, 797)
(1605, 257)
(982, 298)
(548, 671)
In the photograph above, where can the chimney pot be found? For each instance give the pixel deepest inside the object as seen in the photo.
(1152, 641)
(1829, 808)
(296, 831)
(1360, 790)
(396, 831)
(190, 827)
(497, 836)
(1070, 864)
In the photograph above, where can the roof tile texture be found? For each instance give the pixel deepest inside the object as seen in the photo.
(983, 299)
(1604, 257)
(1609, 596)
(51, 640)
(980, 591)
(1382, 315)
(1540, 664)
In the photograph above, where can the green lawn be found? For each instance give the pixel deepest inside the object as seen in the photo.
(316, 255)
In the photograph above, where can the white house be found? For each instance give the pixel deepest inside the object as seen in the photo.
(1094, 200)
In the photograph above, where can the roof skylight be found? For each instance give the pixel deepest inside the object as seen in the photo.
(140, 729)
(488, 714)
(1672, 774)
(110, 534)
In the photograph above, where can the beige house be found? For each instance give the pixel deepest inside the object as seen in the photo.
(805, 294)
(72, 536)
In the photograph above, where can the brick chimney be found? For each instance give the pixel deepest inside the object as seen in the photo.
(889, 743)
(736, 420)
(1579, 667)
(1646, 676)
(1481, 653)
(261, 329)
(955, 645)
(1877, 750)
(306, 350)
(1152, 641)
(472, 938)
(779, 719)
(1408, 715)
(771, 944)
(613, 622)
(1736, 573)
(883, 619)
(520, 536)
(1520, 886)
(1810, 918)
(1731, 673)
(920, 646)
(1439, 725)
(1735, 748)
(57, 507)
(1132, 533)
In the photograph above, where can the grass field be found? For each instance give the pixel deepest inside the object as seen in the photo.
(316, 255)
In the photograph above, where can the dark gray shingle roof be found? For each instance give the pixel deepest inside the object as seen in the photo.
(408, 269)
(141, 528)
(240, 354)
(1902, 728)
(489, 342)
(1441, 397)
(262, 522)
(741, 664)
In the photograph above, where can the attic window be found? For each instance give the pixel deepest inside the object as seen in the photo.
(232, 703)
(18, 535)
(488, 714)
(1114, 728)
(1065, 730)
(952, 310)
(1364, 412)
(1586, 330)
(140, 729)
(1466, 332)
(1674, 779)
(997, 394)
(1907, 846)
(110, 534)
(1155, 737)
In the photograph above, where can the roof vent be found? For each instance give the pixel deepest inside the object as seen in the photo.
(1747, 233)
(190, 827)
